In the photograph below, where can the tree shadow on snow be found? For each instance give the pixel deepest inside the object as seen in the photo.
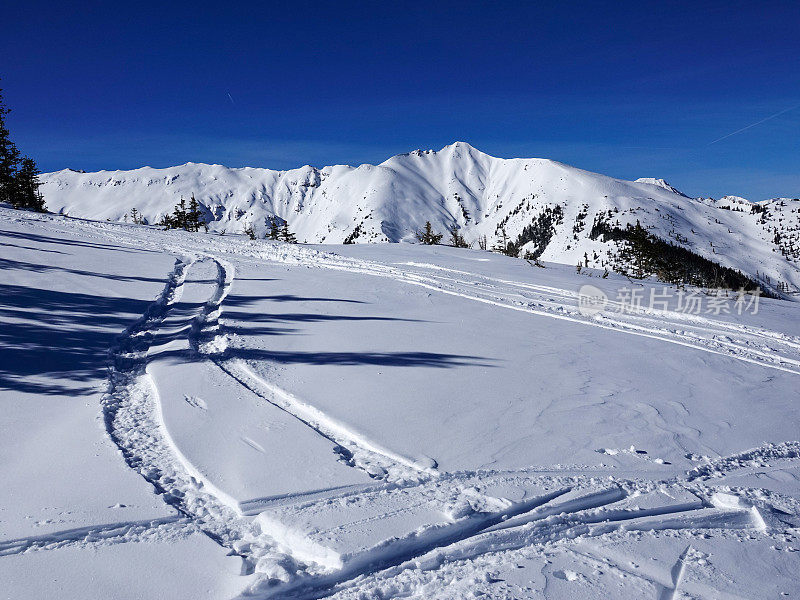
(66, 241)
(241, 317)
(52, 341)
(11, 264)
(385, 359)
(58, 342)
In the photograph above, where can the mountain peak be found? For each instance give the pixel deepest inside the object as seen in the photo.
(462, 147)
(659, 183)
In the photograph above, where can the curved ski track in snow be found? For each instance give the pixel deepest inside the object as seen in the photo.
(208, 340)
(133, 420)
(375, 460)
(132, 414)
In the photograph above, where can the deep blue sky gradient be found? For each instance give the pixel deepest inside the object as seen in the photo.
(629, 89)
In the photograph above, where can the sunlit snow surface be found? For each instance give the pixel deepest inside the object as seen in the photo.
(195, 415)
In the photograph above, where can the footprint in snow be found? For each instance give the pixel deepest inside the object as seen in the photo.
(568, 575)
(196, 402)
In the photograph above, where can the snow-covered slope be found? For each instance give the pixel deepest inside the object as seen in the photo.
(458, 185)
(189, 415)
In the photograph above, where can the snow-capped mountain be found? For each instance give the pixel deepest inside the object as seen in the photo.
(546, 208)
(659, 183)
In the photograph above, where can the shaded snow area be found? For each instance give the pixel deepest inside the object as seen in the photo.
(204, 416)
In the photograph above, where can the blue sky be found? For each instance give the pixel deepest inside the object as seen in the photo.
(631, 89)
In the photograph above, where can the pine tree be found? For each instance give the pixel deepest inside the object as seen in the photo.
(194, 218)
(286, 235)
(250, 231)
(504, 246)
(19, 177)
(456, 239)
(9, 160)
(428, 236)
(179, 215)
(27, 187)
(274, 229)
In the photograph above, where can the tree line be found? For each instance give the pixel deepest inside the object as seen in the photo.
(278, 231)
(19, 175)
(641, 254)
(191, 217)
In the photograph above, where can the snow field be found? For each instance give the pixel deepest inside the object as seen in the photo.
(358, 426)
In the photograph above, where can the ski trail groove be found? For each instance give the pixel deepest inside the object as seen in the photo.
(112, 533)
(741, 349)
(359, 452)
(208, 339)
(539, 521)
(132, 415)
(544, 304)
(676, 573)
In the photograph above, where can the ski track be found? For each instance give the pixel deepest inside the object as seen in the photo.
(538, 522)
(709, 335)
(208, 340)
(749, 458)
(131, 412)
(677, 574)
(133, 419)
(356, 450)
(112, 533)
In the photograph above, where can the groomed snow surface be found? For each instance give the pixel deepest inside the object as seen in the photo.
(204, 416)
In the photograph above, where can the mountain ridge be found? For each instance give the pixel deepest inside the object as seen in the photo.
(485, 197)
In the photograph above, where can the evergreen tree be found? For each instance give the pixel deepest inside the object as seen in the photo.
(27, 187)
(179, 215)
(504, 246)
(9, 159)
(274, 229)
(428, 236)
(194, 218)
(250, 231)
(286, 235)
(456, 239)
(19, 177)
